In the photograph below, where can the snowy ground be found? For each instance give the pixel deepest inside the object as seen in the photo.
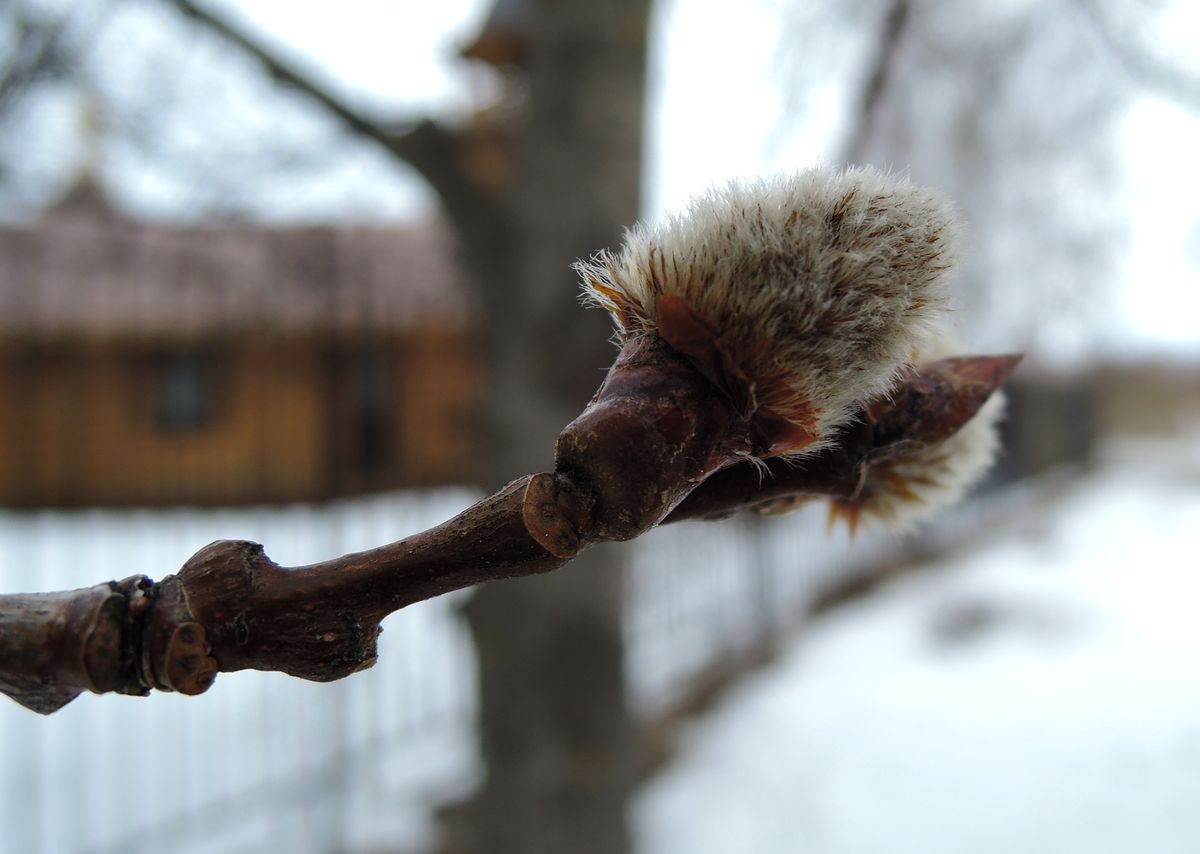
(1040, 694)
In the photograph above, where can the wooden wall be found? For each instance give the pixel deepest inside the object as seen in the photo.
(81, 421)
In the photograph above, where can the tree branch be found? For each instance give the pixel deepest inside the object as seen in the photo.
(428, 147)
(285, 73)
(1140, 64)
(870, 99)
(231, 608)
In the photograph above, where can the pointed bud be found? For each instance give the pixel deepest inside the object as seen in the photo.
(935, 439)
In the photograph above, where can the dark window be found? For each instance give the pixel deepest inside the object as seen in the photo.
(183, 393)
(372, 412)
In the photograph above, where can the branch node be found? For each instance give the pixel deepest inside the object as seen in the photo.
(188, 667)
(555, 512)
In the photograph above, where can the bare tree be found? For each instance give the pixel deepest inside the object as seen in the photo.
(40, 54)
(1010, 110)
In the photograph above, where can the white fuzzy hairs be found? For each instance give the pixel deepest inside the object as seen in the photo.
(819, 285)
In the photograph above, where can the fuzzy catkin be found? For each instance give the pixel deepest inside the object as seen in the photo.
(819, 285)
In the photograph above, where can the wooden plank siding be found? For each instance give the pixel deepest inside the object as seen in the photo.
(146, 364)
(81, 421)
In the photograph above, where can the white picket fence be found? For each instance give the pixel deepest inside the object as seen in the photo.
(264, 761)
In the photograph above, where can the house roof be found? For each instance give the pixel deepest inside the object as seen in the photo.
(76, 274)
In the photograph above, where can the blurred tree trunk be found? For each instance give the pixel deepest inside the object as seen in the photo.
(562, 182)
(557, 733)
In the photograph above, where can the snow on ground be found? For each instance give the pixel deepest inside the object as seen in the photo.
(1037, 694)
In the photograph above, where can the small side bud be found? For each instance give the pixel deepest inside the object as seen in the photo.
(901, 491)
(938, 438)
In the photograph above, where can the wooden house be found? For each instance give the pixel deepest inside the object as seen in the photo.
(144, 364)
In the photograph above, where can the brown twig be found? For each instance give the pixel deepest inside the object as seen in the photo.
(657, 443)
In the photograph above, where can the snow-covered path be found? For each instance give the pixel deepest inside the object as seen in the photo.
(1040, 694)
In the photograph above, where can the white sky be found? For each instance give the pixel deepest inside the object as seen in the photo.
(1161, 301)
(710, 121)
(391, 56)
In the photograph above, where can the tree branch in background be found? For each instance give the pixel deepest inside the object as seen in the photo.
(283, 72)
(231, 608)
(425, 145)
(866, 116)
(436, 152)
(39, 55)
(1139, 62)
